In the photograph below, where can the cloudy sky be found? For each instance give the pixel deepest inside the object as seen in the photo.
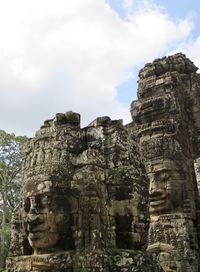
(84, 55)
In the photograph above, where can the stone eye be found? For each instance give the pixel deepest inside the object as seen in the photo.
(164, 176)
(26, 205)
(44, 201)
(38, 202)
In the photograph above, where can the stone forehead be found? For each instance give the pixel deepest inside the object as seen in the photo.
(41, 185)
(163, 165)
(37, 184)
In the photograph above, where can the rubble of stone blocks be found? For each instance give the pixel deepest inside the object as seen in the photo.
(111, 197)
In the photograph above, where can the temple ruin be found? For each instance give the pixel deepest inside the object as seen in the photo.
(111, 197)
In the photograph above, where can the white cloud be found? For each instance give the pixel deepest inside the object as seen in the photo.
(63, 55)
(193, 51)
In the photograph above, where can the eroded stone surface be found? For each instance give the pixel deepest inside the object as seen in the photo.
(165, 119)
(116, 198)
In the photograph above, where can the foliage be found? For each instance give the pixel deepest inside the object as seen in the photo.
(10, 177)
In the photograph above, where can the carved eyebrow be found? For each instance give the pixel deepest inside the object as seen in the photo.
(162, 169)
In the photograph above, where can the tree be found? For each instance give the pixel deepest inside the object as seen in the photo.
(10, 178)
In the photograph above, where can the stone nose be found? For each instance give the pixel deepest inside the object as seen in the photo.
(152, 183)
(33, 205)
(154, 186)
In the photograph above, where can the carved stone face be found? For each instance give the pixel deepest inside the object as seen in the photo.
(166, 190)
(46, 221)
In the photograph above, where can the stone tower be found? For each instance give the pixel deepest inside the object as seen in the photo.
(111, 197)
(84, 200)
(166, 120)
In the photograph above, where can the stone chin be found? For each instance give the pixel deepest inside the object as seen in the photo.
(160, 209)
(43, 242)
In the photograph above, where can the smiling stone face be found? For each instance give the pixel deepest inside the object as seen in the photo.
(46, 220)
(166, 189)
